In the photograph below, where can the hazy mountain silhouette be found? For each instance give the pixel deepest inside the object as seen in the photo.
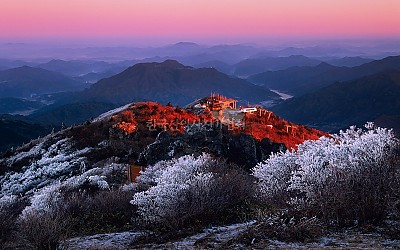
(218, 65)
(9, 64)
(173, 82)
(346, 103)
(257, 65)
(300, 80)
(26, 81)
(78, 67)
(349, 61)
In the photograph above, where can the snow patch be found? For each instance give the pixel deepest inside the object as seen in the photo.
(112, 112)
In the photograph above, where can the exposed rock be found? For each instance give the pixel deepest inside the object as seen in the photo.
(267, 147)
(241, 149)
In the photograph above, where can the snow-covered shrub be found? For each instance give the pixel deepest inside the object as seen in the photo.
(149, 176)
(103, 211)
(186, 188)
(49, 198)
(42, 231)
(47, 166)
(275, 173)
(10, 207)
(346, 178)
(85, 203)
(172, 179)
(45, 201)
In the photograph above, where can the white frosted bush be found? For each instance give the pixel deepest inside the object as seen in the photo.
(274, 174)
(354, 164)
(44, 201)
(348, 155)
(47, 199)
(6, 201)
(54, 164)
(172, 180)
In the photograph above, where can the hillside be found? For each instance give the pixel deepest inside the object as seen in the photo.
(349, 61)
(301, 80)
(132, 133)
(196, 172)
(173, 82)
(345, 103)
(16, 130)
(11, 105)
(386, 121)
(27, 81)
(69, 114)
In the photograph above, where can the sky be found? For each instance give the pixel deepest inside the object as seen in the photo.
(158, 21)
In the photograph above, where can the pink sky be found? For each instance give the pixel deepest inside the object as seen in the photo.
(198, 19)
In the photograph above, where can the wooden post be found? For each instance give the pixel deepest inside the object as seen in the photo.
(129, 174)
(287, 128)
(294, 130)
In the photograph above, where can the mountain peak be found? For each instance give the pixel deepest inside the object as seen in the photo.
(185, 44)
(325, 65)
(25, 67)
(171, 81)
(172, 63)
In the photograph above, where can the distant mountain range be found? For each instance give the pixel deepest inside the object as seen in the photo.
(165, 82)
(173, 82)
(256, 65)
(301, 80)
(79, 67)
(348, 61)
(240, 58)
(26, 81)
(346, 103)
(259, 64)
(342, 95)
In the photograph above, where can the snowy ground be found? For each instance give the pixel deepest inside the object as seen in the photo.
(219, 237)
(101, 241)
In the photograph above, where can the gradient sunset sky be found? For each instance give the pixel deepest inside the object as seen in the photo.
(156, 21)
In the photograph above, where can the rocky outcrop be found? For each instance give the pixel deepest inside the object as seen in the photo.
(215, 139)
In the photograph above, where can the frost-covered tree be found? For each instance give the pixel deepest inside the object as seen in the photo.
(188, 188)
(172, 180)
(275, 173)
(347, 175)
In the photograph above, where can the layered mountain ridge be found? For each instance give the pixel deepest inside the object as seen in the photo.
(346, 103)
(26, 81)
(307, 79)
(173, 82)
